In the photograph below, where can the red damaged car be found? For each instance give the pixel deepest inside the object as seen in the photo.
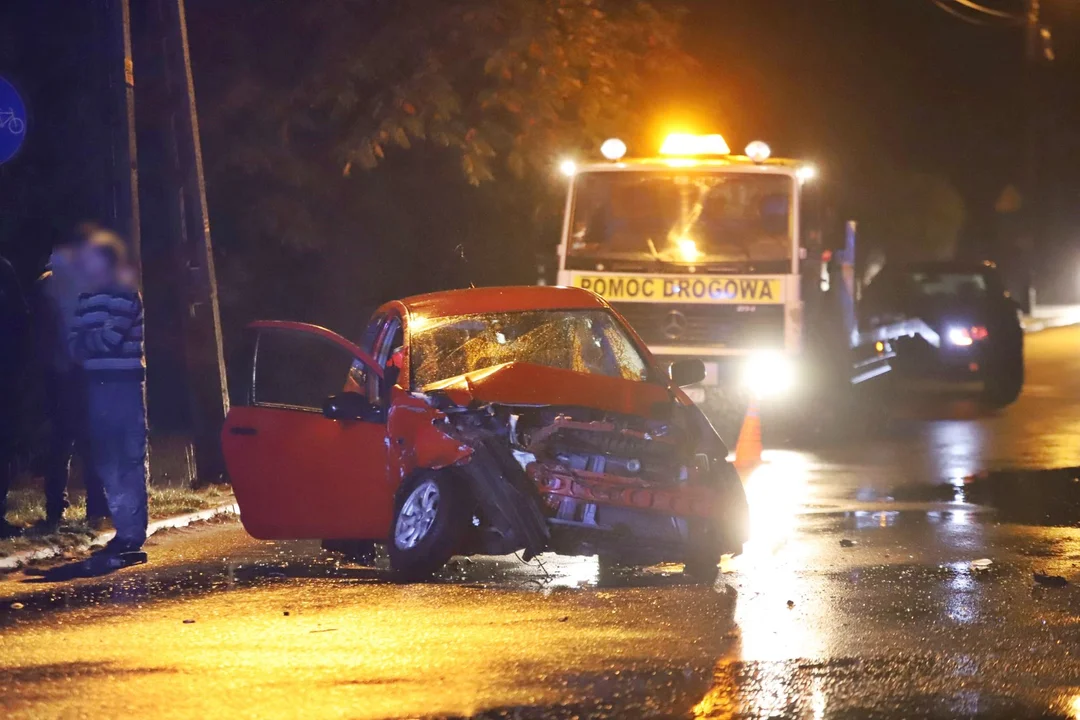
(483, 421)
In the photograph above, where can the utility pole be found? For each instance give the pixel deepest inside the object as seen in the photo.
(184, 344)
(1038, 50)
(204, 358)
(1030, 172)
(125, 196)
(1021, 236)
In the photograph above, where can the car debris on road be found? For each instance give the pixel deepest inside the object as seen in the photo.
(1049, 580)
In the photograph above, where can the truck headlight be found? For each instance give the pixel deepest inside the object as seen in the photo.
(768, 374)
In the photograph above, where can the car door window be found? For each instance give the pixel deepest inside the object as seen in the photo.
(298, 370)
(371, 333)
(358, 378)
(390, 341)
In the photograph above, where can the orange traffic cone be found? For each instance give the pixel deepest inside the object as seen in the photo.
(748, 448)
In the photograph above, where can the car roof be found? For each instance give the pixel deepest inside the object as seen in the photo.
(947, 266)
(502, 299)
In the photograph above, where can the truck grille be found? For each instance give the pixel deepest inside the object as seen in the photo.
(702, 325)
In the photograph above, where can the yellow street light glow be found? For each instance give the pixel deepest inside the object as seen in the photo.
(418, 322)
(687, 144)
(688, 249)
(568, 168)
(758, 151)
(613, 149)
(806, 173)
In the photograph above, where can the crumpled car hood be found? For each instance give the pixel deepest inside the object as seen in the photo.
(517, 383)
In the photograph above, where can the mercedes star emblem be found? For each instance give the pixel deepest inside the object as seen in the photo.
(674, 325)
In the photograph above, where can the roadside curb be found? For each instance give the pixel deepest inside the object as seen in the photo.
(1038, 325)
(1054, 317)
(17, 560)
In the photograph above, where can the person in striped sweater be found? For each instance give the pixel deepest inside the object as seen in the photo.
(107, 341)
(56, 297)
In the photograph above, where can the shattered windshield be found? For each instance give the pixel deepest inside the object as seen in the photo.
(682, 216)
(586, 341)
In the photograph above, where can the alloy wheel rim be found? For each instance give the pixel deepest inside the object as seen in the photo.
(417, 515)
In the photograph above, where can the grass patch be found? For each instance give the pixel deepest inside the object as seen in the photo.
(27, 506)
(165, 502)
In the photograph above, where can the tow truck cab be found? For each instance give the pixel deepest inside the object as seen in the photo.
(700, 250)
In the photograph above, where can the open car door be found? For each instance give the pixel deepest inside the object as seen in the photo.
(296, 472)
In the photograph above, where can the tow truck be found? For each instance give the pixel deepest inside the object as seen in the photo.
(701, 251)
(722, 257)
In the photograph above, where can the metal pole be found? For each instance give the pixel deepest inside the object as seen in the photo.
(1030, 177)
(125, 157)
(205, 361)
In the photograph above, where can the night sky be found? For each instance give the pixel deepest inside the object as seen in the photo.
(856, 83)
(853, 85)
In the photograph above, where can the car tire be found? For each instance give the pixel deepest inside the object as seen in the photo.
(730, 533)
(705, 548)
(430, 519)
(610, 571)
(702, 567)
(1003, 375)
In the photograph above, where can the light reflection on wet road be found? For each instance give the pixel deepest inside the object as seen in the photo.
(895, 624)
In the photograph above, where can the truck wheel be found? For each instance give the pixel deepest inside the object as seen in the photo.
(429, 520)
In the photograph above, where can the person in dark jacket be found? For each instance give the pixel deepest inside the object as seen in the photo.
(107, 341)
(13, 326)
(56, 299)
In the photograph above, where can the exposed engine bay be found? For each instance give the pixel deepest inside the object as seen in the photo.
(581, 481)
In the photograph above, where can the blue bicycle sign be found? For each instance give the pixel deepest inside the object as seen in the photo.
(12, 121)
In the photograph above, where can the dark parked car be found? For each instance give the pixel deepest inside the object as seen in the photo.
(972, 325)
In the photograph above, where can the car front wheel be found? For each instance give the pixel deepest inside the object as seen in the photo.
(429, 520)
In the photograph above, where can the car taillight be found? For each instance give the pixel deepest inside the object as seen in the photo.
(963, 337)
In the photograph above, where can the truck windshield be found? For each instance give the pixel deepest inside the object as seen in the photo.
(688, 217)
(586, 341)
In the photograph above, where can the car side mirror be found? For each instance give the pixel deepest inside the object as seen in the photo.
(686, 372)
(348, 406)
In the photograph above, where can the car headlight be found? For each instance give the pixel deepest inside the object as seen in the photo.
(768, 374)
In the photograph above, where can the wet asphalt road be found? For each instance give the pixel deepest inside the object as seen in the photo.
(896, 625)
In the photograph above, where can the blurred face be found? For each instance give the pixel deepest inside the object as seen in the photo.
(96, 266)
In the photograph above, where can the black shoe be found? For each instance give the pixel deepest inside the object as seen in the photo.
(7, 530)
(102, 563)
(117, 546)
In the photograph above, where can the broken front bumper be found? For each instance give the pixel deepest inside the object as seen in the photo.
(598, 514)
